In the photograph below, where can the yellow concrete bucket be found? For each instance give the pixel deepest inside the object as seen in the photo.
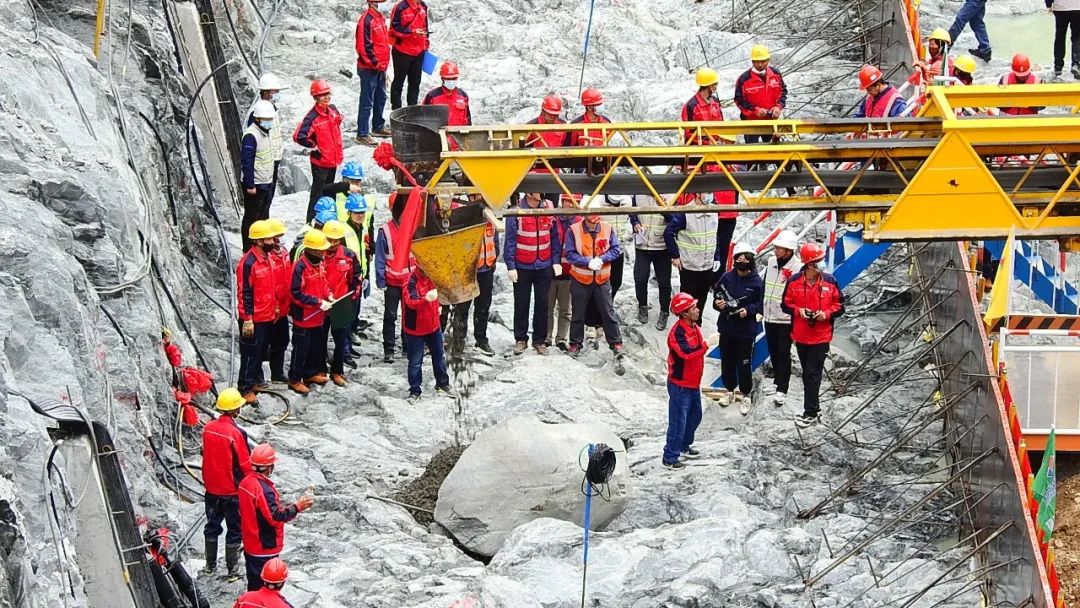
(449, 259)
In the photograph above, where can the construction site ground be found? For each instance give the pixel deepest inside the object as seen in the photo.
(1067, 536)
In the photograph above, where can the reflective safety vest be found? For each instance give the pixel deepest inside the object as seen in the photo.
(264, 154)
(879, 108)
(652, 223)
(697, 242)
(488, 255)
(775, 279)
(534, 237)
(591, 245)
(395, 278)
(357, 242)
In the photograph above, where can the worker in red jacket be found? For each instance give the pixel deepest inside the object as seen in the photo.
(760, 92)
(592, 99)
(263, 515)
(225, 463)
(409, 39)
(320, 131)
(343, 280)
(372, 61)
(1020, 74)
(257, 308)
(274, 574)
(705, 107)
(420, 320)
(279, 330)
(310, 301)
(550, 114)
(450, 95)
(814, 301)
(686, 360)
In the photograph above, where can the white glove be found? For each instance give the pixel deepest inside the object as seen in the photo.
(712, 340)
(325, 305)
(596, 264)
(716, 266)
(513, 275)
(558, 269)
(432, 295)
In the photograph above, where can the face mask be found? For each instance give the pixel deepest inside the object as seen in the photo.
(268, 246)
(266, 124)
(743, 265)
(757, 71)
(275, 97)
(313, 256)
(450, 84)
(782, 260)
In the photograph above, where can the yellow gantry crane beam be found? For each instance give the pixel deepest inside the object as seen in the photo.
(941, 175)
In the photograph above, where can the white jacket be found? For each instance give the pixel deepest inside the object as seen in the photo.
(775, 280)
(1066, 5)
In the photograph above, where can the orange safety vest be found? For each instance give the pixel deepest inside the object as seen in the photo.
(591, 247)
(488, 254)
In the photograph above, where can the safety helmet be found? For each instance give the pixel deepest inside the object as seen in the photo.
(965, 63)
(706, 77)
(275, 572)
(319, 87)
(868, 75)
(591, 97)
(352, 170)
(276, 227)
(333, 229)
(325, 203)
(759, 52)
(356, 203)
(270, 82)
(315, 239)
(552, 104)
(262, 455)
(1021, 65)
(682, 302)
(811, 252)
(264, 109)
(326, 215)
(941, 34)
(229, 400)
(742, 247)
(787, 239)
(449, 71)
(260, 229)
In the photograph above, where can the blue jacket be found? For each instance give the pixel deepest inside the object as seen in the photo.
(571, 254)
(380, 260)
(750, 291)
(248, 146)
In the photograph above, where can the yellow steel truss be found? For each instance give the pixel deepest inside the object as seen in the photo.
(945, 169)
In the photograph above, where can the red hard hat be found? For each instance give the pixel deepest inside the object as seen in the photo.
(591, 97)
(682, 302)
(263, 456)
(319, 87)
(1021, 65)
(275, 572)
(811, 252)
(552, 104)
(449, 71)
(868, 75)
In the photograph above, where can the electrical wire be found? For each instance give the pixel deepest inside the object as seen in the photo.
(236, 38)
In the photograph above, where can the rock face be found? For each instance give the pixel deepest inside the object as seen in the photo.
(525, 470)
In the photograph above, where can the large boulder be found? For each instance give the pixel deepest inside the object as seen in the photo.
(523, 470)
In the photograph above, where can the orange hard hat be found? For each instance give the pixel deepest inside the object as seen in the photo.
(275, 572)
(591, 97)
(263, 455)
(811, 252)
(552, 104)
(449, 71)
(319, 87)
(868, 75)
(1021, 65)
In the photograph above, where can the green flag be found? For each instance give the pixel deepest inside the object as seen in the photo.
(1045, 490)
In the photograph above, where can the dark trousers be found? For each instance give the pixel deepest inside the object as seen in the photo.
(593, 317)
(405, 66)
(320, 177)
(252, 352)
(372, 102)
(697, 283)
(308, 352)
(341, 341)
(659, 260)
(812, 358)
(735, 370)
(599, 295)
(391, 306)
(222, 509)
(460, 321)
(1064, 21)
(684, 416)
(415, 347)
(482, 308)
(778, 339)
(725, 229)
(253, 566)
(256, 207)
(532, 288)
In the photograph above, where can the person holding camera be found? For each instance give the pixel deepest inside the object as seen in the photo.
(814, 301)
(738, 296)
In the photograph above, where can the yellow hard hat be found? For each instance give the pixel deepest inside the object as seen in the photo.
(759, 52)
(941, 34)
(965, 63)
(260, 229)
(706, 77)
(315, 239)
(229, 399)
(334, 230)
(276, 226)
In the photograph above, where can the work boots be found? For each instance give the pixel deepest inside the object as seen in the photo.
(232, 562)
(211, 557)
(642, 314)
(661, 321)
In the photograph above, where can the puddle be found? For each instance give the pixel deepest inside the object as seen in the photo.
(1031, 34)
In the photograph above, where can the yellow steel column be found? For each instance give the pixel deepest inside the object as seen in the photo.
(99, 27)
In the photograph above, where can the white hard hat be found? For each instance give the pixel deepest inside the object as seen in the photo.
(264, 109)
(787, 239)
(270, 82)
(742, 247)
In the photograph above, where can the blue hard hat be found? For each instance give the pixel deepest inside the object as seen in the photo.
(325, 215)
(325, 204)
(353, 170)
(356, 203)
